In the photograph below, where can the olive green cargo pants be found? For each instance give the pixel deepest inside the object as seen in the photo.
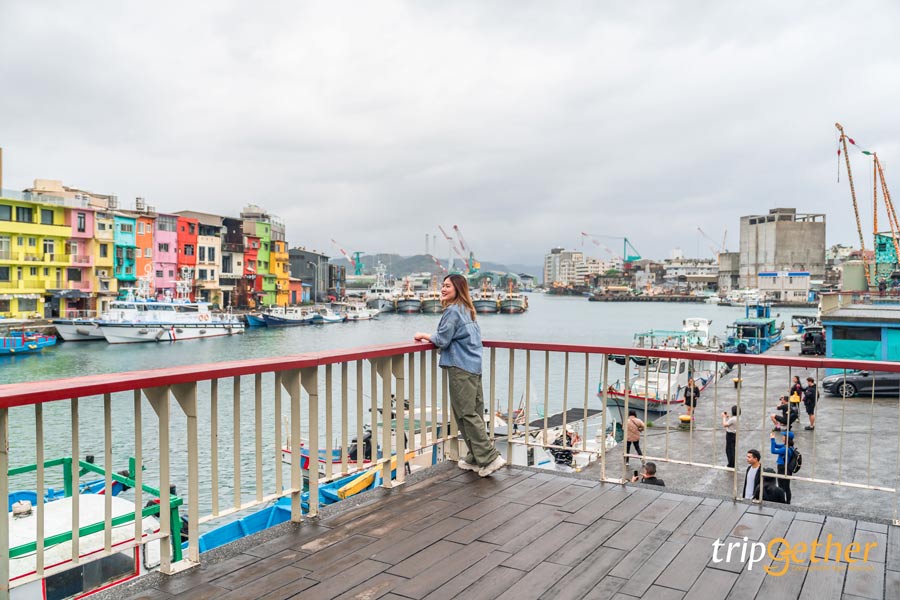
(467, 401)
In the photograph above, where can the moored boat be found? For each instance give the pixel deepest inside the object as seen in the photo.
(357, 311)
(431, 300)
(380, 296)
(322, 315)
(512, 302)
(78, 327)
(408, 302)
(292, 316)
(25, 342)
(755, 333)
(485, 300)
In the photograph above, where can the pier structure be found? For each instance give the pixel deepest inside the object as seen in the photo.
(524, 532)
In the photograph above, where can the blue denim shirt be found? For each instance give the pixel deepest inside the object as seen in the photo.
(459, 338)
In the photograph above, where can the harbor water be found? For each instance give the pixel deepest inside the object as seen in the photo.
(552, 319)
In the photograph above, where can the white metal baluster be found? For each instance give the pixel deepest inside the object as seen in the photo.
(605, 397)
(587, 372)
(186, 395)
(214, 443)
(159, 400)
(138, 474)
(565, 406)
(309, 379)
(360, 453)
(236, 440)
(386, 368)
(434, 405)
(397, 369)
(39, 459)
(291, 382)
(451, 449)
(279, 475)
(546, 396)
(74, 469)
(4, 498)
(871, 434)
(345, 422)
(107, 468)
(423, 430)
(765, 426)
(328, 422)
(624, 416)
(411, 425)
(511, 418)
(493, 398)
(258, 429)
(734, 472)
(373, 411)
(713, 429)
(527, 396)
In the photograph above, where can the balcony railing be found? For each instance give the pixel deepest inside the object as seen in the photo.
(326, 398)
(84, 286)
(30, 283)
(86, 260)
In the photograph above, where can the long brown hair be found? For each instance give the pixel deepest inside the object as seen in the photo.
(462, 293)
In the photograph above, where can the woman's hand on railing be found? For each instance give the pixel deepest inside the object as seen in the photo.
(422, 337)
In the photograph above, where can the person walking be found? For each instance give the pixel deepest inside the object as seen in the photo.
(810, 398)
(458, 336)
(691, 395)
(729, 422)
(633, 429)
(784, 453)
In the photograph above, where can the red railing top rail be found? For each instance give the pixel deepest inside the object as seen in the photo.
(27, 393)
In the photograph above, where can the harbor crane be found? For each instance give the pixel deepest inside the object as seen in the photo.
(627, 258)
(438, 263)
(455, 249)
(355, 260)
(715, 250)
(877, 177)
(472, 264)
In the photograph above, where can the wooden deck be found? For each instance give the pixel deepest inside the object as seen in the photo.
(521, 534)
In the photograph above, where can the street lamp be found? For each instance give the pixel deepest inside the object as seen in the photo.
(315, 266)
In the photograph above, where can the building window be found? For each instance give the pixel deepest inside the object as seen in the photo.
(201, 256)
(212, 254)
(126, 228)
(104, 285)
(24, 215)
(104, 250)
(167, 223)
(5, 212)
(148, 252)
(101, 226)
(32, 242)
(159, 274)
(171, 273)
(27, 304)
(73, 274)
(861, 334)
(46, 216)
(49, 247)
(82, 223)
(32, 271)
(226, 263)
(188, 250)
(46, 271)
(163, 247)
(191, 228)
(4, 273)
(212, 274)
(202, 276)
(4, 306)
(140, 228)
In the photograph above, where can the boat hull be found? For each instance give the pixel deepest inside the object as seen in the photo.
(29, 343)
(432, 307)
(380, 304)
(486, 306)
(74, 330)
(129, 333)
(409, 306)
(512, 307)
(616, 399)
(256, 321)
(276, 321)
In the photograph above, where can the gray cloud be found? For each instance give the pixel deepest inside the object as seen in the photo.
(525, 123)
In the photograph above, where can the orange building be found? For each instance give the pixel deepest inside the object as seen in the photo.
(143, 254)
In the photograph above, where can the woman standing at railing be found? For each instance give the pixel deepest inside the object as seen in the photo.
(458, 337)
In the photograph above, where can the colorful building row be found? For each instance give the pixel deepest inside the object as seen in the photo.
(65, 251)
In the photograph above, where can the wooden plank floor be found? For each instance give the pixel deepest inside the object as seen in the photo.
(520, 535)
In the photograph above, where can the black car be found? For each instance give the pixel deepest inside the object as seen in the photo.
(862, 382)
(813, 340)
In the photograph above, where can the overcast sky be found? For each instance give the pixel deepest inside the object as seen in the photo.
(524, 123)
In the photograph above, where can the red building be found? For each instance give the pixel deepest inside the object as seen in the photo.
(254, 283)
(187, 248)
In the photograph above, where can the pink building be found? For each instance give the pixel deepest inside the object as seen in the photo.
(80, 276)
(165, 259)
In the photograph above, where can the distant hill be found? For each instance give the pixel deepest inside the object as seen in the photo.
(399, 266)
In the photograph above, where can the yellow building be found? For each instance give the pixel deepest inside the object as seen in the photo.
(281, 268)
(33, 252)
(105, 283)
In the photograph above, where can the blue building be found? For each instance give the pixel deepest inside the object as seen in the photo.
(863, 332)
(126, 247)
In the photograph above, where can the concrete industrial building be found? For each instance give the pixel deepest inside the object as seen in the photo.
(781, 241)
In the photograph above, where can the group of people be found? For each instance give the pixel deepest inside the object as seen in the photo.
(787, 406)
(774, 489)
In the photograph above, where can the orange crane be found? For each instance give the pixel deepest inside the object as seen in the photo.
(877, 177)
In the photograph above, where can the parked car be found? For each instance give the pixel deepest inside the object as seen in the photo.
(813, 340)
(862, 382)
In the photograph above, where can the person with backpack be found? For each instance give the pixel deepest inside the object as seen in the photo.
(810, 397)
(788, 460)
(633, 429)
(771, 492)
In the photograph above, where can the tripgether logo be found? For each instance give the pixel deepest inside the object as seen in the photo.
(783, 554)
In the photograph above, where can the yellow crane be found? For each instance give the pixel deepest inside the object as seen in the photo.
(877, 177)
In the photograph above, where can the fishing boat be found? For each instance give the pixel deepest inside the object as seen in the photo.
(408, 302)
(512, 302)
(25, 342)
(322, 315)
(755, 333)
(485, 300)
(656, 384)
(431, 299)
(62, 576)
(380, 296)
(291, 316)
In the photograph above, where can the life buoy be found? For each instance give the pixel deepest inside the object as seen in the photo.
(204, 317)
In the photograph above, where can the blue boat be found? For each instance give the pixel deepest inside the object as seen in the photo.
(25, 342)
(755, 333)
(255, 320)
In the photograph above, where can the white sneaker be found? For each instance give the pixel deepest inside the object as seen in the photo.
(467, 466)
(497, 463)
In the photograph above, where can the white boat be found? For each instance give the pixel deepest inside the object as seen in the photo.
(408, 302)
(658, 382)
(322, 315)
(357, 311)
(380, 296)
(485, 300)
(79, 327)
(291, 316)
(431, 301)
(64, 578)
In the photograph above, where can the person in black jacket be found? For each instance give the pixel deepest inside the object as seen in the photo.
(781, 420)
(810, 397)
(649, 476)
(753, 475)
(771, 491)
(691, 395)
